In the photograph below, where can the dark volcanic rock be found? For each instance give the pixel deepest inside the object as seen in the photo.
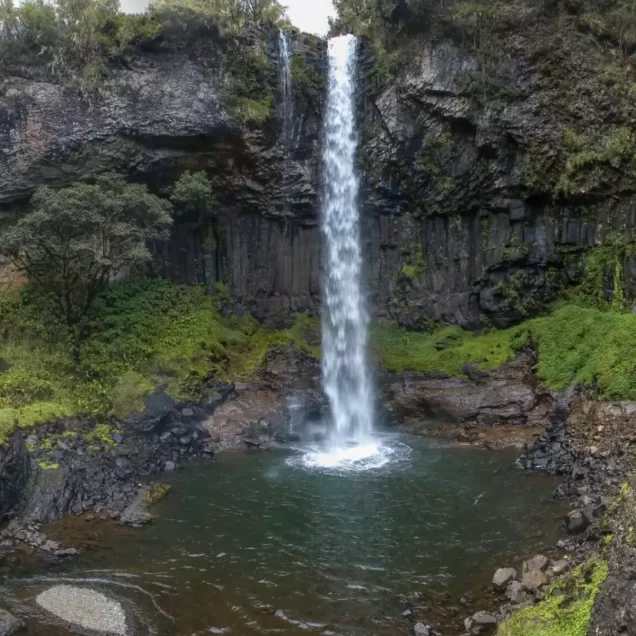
(507, 396)
(14, 473)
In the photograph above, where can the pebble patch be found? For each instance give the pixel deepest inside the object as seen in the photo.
(84, 607)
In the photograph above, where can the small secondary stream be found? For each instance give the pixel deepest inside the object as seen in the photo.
(253, 545)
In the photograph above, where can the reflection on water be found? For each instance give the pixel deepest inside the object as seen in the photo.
(258, 545)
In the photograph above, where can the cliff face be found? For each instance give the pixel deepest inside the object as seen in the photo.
(163, 112)
(493, 169)
(483, 190)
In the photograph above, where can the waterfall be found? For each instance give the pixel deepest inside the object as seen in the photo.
(345, 371)
(284, 42)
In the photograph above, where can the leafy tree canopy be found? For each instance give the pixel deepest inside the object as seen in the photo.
(193, 197)
(77, 239)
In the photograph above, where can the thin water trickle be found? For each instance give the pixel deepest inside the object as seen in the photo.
(284, 48)
(345, 372)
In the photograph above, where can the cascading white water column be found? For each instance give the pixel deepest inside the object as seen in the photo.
(346, 377)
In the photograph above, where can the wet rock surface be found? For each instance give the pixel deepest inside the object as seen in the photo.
(9, 624)
(507, 397)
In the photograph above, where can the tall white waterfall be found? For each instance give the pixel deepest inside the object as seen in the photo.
(345, 371)
(284, 46)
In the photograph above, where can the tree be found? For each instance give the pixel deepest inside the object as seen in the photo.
(77, 239)
(193, 197)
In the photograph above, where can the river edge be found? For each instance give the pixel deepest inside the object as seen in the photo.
(587, 443)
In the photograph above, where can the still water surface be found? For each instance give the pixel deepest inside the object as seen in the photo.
(255, 544)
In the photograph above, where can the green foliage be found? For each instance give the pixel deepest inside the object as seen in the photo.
(603, 261)
(75, 239)
(586, 159)
(81, 38)
(565, 614)
(305, 334)
(193, 198)
(307, 80)
(415, 267)
(435, 155)
(143, 336)
(249, 94)
(584, 346)
(129, 394)
(576, 345)
(44, 465)
(102, 434)
(74, 38)
(231, 17)
(444, 350)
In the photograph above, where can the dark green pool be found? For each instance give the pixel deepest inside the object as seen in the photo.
(251, 545)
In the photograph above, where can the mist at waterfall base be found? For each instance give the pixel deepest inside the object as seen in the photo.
(350, 442)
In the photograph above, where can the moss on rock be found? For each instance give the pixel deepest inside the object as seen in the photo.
(567, 608)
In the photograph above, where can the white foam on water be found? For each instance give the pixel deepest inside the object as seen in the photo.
(374, 454)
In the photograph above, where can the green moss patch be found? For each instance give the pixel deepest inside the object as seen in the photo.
(444, 350)
(156, 492)
(567, 613)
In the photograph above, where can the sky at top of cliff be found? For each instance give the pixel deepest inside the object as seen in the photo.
(310, 16)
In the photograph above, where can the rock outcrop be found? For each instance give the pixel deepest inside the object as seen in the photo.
(509, 396)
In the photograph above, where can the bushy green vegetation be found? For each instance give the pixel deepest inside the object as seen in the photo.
(585, 346)
(74, 240)
(230, 17)
(144, 336)
(249, 94)
(80, 39)
(565, 614)
(75, 38)
(576, 345)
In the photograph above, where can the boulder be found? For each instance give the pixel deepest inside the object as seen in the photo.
(421, 630)
(502, 577)
(9, 624)
(560, 567)
(533, 580)
(577, 522)
(481, 623)
(537, 564)
(517, 593)
(136, 514)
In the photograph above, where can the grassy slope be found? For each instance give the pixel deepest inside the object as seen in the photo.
(145, 336)
(576, 345)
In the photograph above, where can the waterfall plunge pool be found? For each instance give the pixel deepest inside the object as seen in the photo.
(261, 544)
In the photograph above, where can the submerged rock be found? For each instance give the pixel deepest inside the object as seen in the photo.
(86, 608)
(421, 630)
(9, 624)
